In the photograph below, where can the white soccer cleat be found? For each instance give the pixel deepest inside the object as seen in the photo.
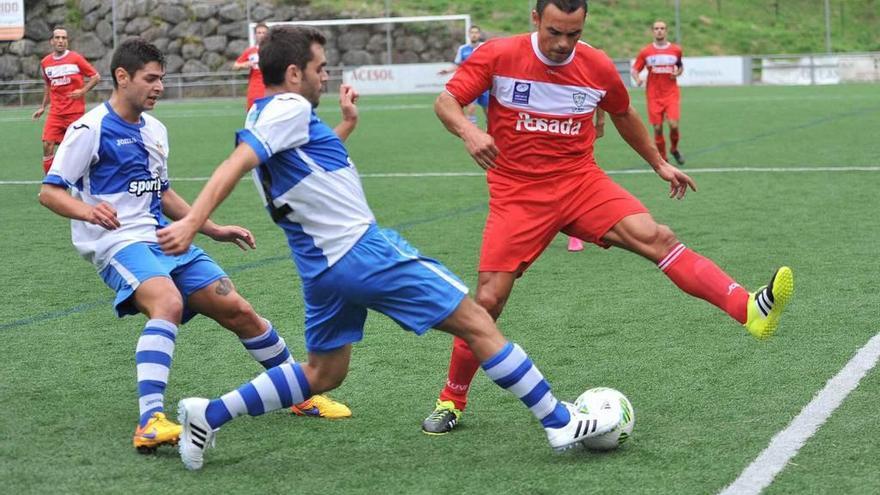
(581, 426)
(197, 435)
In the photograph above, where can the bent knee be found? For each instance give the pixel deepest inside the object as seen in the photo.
(662, 241)
(167, 307)
(239, 316)
(492, 303)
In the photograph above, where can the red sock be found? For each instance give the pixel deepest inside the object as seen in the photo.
(661, 143)
(47, 163)
(673, 138)
(700, 277)
(462, 368)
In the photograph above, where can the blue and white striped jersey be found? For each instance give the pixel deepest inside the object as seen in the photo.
(105, 158)
(307, 181)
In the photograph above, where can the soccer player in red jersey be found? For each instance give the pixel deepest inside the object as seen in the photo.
(65, 91)
(250, 59)
(663, 60)
(543, 179)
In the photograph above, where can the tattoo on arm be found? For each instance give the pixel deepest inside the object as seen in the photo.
(224, 287)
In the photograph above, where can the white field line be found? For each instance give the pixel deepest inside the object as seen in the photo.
(785, 445)
(609, 172)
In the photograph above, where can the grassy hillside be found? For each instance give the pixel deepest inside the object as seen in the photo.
(709, 27)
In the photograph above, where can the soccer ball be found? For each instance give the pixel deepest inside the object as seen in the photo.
(597, 398)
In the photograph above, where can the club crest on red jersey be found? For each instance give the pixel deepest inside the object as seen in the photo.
(579, 100)
(521, 92)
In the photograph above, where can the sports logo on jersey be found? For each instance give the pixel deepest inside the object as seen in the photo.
(521, 91)
(579, 100)
(567, 127)
(145, 186)
(662, 63)
(59, 75)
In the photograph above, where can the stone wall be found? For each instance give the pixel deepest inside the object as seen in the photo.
(207, 35)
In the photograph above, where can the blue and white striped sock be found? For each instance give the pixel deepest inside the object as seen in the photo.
(155, 349)
(512, 369)
(279, 387)
(268, 349)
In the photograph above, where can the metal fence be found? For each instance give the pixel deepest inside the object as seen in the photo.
(769, 69)
(177, 86)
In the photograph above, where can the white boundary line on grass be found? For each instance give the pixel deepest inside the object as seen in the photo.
(785, 445)
(609, 172)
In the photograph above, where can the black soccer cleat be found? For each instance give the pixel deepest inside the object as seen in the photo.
(442, 420)
(678, 158)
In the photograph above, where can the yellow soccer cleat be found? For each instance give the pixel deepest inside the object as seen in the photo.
(766, 305)
(159, 430)
(321, 406)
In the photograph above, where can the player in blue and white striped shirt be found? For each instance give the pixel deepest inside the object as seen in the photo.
(114, 162)
(348, 264)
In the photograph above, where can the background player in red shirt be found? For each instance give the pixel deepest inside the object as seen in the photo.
(250, 59)
(663, 60)
(543, 179)
(65, 90)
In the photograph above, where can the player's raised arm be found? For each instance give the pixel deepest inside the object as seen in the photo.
(348, 98)
(634, 132)
(177, 237)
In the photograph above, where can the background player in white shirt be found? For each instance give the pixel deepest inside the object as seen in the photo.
(113, 160)
(347, 263)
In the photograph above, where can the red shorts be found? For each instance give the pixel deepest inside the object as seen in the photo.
(668, 106)
(526, 214)
(56, 126)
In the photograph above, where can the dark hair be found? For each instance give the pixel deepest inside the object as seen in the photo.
(567, 6)
(285, 46)
(474, 26)
(56, 28)
(261, 25)
(132, 55)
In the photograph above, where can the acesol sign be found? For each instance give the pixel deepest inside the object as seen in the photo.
(11, 20)
(396, 79)
(374, 74)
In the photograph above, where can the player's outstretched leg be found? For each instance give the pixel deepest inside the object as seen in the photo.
(321, 406)
(564, 425)
(277, 388)
(270, 350)
(511, 369)
(197, 434)
(767, 303)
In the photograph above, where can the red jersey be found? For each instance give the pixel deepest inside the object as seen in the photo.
(64, 74)
(661, 63)
(540, 111)
(256, 88)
